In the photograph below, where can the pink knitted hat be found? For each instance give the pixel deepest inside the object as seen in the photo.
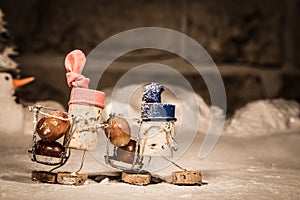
(80, 94)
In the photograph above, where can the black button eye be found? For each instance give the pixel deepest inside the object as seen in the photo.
(6, 78)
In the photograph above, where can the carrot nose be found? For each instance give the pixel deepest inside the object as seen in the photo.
(23, 81)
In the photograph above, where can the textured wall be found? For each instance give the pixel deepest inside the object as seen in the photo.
(232, 31)
(259, 39)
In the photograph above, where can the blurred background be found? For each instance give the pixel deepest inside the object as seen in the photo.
(255, 44)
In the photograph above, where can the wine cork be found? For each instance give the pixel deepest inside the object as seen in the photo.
(187, 178)
(43, 176)
(86, 105)
(67, 178)
(136, 178)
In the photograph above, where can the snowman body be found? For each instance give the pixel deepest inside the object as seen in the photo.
(11, 114)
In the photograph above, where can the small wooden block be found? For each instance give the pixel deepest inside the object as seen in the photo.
(187, 178)
(136, 178)
(67, 178)
(43, 176)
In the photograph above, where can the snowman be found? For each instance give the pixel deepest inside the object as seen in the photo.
(11, 113)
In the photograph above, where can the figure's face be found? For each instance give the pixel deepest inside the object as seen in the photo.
(6, 84)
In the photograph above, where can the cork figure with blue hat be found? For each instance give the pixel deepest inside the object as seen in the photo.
(157, 124)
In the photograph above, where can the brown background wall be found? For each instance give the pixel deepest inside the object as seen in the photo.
(254, 43)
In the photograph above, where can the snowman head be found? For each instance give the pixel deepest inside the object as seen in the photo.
(6, 85)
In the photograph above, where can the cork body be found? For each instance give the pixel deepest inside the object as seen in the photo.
(155, 138)
(84, 134)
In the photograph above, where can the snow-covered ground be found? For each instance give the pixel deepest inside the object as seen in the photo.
(266, 167)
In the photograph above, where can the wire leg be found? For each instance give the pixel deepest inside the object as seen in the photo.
(82, 161)
(174, 164)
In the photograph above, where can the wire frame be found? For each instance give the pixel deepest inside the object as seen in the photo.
(43, 159)
(111, 157)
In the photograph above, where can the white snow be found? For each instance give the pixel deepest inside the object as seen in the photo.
(264, 117)
(258, 165)
(238, 168)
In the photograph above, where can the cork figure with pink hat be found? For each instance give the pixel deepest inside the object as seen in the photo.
(85, 104)
(57, 132)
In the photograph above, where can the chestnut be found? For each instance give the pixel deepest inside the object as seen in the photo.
(50, 128)
(126, 153)
(119, 131)
(52, 149)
